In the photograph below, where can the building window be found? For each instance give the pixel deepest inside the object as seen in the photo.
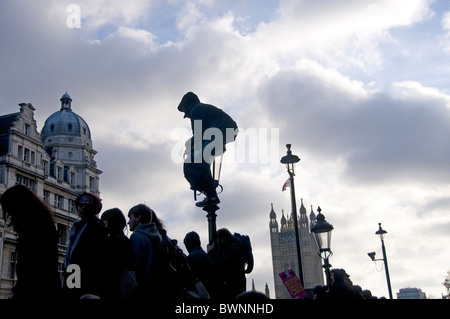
(32, 157)
(27, 129)
(91, 183)
(69, 126)
(26, 155)
(59, 172)
(72, 178)
(45, 166)
(46, 196)
(12, 265)
(28, 182)
(20, 152)
(71, 205)
(2, 174)
(59, 201)
(52, 127)
(62, 234)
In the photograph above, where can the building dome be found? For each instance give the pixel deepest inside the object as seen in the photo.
(65, 122)
(66, 96)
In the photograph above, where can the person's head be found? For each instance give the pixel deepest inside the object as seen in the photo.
(138, 215)
(114, 221)
(224, 237)
(88, 205)
(23, 210)
(340, 275)
(188, 101)
(191, 241)
(367, 294)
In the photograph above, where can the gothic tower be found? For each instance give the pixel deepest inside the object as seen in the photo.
(284, 253)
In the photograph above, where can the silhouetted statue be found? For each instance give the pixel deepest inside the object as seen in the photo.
(212, 128)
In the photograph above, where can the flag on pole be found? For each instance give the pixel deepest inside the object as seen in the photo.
(286, 184)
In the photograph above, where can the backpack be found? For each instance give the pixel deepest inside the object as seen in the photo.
(175, 269)
(244, 242)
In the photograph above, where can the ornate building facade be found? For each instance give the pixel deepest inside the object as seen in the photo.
(284, 251)
(57, 164)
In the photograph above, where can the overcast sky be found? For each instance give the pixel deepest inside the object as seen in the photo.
(359, 88)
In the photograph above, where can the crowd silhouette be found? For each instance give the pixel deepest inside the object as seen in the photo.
(146, 265)
(341, 287)
(101, 262)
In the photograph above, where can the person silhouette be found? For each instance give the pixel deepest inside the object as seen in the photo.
(118, 245)
(201, 263)
(37, 244)
(86, 249)
(212, 128)
(229, 258)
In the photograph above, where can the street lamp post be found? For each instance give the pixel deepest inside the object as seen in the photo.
(381, 232)
(322, 232)
(211, 217)
(289, 160)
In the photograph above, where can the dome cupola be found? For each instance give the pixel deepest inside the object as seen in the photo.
(66, 101)
(65, 122)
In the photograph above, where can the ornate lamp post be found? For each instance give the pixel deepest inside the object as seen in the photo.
(289, 160)
(211, 217)
(322, 232)
(381, 232)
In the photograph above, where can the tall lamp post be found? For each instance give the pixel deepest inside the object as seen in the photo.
(211, 217)
(322, 232)
(381, 232)
(289, 160)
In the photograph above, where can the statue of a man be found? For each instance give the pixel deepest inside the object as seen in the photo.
(212, 128)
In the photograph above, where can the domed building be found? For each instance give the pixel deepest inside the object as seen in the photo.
(57, 164)
(67, 138)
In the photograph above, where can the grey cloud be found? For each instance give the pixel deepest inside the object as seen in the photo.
(381, 137)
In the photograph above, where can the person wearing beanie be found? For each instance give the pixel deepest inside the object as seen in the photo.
(201, 264)
(86, 251)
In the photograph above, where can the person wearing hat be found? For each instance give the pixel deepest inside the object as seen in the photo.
(201, 263)
(86, 250)
(212, 128)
